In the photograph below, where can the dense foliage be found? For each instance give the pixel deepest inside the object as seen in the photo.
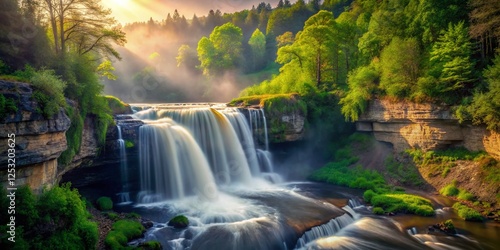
(122, 232)
(62, 48)
(422, 51)
(57, 219)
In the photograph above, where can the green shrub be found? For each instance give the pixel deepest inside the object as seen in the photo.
(467, 213)
(49, 92)
(449, 225)
(116, 240)
(7, 106)
(129, 144)
(378, 210)
(104, 203)
(464, 195)
(449, 190)
(73, 137)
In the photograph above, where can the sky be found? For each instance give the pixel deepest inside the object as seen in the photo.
(127, 11)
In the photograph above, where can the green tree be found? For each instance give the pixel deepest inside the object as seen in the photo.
(317, 38)
(257, 44)
(451, 63)
(362, 85)
(485, 107)
(222, 50)
(485, 25)
(186, 57)
(400, 67)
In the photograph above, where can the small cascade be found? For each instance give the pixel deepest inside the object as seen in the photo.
(172, 165)
(328, 229)
(124, 196)
(258, 126)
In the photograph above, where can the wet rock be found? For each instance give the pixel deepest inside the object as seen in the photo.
(179, 221)
(147, 224)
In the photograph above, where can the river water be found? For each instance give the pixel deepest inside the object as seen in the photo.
(208, 163)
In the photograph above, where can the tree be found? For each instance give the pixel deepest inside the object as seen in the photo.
(83, 26)
(485, 25)
(485, 107)
(400, 67)
(257, 44)
(222, 50)
(318, 38)
(187, 57)
(362, 85)
(286, 38)
(451, 62)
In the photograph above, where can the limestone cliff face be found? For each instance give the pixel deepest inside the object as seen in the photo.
(39, 141)
(426, 126)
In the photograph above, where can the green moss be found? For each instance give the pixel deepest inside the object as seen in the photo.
(112, 216)
(467, 213)
(133, 215)
(104, 203)
(73, 137)
(464, 195)
(122, 232)
(150, 245)
(179, 221)
(117, 106)
(405, 203)
(129, 144)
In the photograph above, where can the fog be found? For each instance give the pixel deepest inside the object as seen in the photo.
(148, 72)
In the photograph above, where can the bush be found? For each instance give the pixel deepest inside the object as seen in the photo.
(368, 195)
(464, 195)
(104, 203)
(449, 190)
(7, 106)
(112, 216)
(467, 213)
(378, 210)
(49, 92)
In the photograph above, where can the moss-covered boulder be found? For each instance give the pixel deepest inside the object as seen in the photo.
(179, 221)
(104, 203)
(118, 106)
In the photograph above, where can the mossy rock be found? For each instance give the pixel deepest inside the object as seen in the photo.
(117, 106)
(104, 203)
(150, 245)
(179, 221)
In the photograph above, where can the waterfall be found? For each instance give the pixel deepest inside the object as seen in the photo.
(172, 164)
(179, 146)
(124, 196)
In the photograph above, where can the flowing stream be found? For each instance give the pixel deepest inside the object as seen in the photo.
(212, 164)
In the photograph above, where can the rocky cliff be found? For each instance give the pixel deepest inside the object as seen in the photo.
(38, 141)
(425, 126)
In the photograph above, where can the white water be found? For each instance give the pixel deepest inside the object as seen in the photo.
(186, 151)
(124, 196)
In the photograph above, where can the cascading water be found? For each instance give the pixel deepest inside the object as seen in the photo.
(172, 165)
(224, 137)
(124, 196)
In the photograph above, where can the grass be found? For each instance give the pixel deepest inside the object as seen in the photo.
(383, 197)
(406, 174)
(467, 213)
(452, 191)
(179, 221)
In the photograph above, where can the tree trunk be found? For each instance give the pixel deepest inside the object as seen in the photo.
(53, 23)
(318, 69)
(61, 27)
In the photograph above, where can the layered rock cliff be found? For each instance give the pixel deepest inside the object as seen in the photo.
(426, 126)
(38, 141)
